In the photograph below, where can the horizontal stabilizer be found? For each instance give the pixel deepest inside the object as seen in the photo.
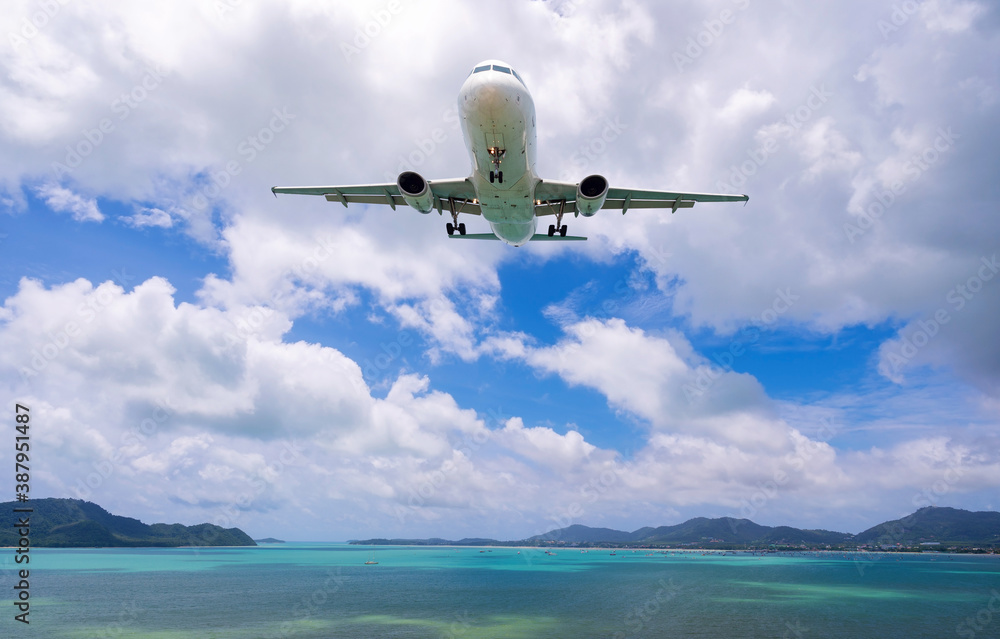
(475, 236)
(538, 237)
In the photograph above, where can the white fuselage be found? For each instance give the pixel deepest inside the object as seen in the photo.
(497, 113)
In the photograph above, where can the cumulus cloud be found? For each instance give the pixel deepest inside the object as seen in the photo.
(65, 201)
(867, 152)
(150, 217)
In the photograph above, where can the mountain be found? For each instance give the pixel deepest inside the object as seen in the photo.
(585, 534)
(73, 523)
(433, 541)
(700, 529)
(937, 524)
(945, 525)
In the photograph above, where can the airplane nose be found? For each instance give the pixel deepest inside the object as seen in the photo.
(485, 94)
(490, 98)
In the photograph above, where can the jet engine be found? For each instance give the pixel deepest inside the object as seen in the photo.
(413, 187)
(590, 194)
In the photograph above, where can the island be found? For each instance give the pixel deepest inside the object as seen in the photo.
(928, 529)
(74, 523)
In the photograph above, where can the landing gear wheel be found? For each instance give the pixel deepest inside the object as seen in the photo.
(451, 228)
(492, 176)
(552, 230)
(461, 229)
(563, 229)
(500, 177)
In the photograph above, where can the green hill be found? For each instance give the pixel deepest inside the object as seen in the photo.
(936, 524)
(73, 523)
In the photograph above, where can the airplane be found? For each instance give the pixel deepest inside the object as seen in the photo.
(498, 123)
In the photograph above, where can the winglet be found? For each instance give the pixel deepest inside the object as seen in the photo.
(275, 193)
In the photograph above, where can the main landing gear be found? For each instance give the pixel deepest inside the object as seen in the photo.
(559, 227)
(454, 225)
(496, 155)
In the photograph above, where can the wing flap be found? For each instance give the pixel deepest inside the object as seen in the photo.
(637, 194)
(458, 189)
(618, 205)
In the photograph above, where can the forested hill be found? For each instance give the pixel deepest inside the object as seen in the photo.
(73, 523)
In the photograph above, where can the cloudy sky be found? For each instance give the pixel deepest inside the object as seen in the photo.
(193, 349)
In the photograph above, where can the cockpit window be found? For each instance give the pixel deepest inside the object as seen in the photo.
(518, 78)
(497, 67)
(485, 67)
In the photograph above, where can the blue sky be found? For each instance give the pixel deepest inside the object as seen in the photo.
(195, 350)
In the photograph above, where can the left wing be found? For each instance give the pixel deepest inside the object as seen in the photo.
(459, 190)
(551, 194)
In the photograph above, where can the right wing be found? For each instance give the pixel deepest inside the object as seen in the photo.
(551, 193)
(457, 190)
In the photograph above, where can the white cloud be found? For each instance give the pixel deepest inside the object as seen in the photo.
(65, 201)
(150, 217)
(844, 105)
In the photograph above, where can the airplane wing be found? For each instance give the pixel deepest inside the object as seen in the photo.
(459, 190)
(551, 194)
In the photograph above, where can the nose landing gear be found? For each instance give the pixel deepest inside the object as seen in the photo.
(496, 156)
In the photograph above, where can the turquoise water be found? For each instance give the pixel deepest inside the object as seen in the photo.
(312, 591)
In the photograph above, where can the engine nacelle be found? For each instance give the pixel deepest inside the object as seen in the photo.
(590, 194)
(413, 187)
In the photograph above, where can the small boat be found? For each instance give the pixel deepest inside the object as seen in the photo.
(371, 561)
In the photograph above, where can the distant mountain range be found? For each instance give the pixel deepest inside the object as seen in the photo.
(943, 525)
(946, 526)
(73, 523)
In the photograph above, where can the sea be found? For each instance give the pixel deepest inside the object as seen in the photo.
(322, 590)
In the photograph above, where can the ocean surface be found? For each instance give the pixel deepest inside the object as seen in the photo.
(312, 591)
